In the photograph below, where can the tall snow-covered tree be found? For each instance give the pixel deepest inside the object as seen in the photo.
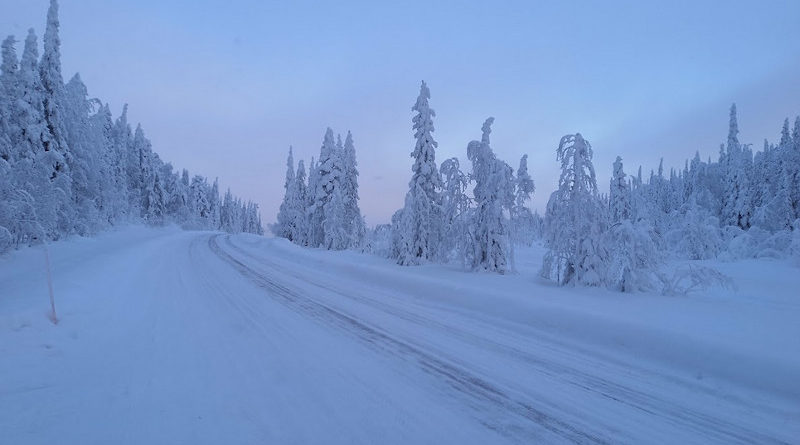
(494, 196)
(422, 212)
(201, 210)
(522, 221)
(336, 236)
(297, 206)
(354, 223)
(226, 215)
(126, 162)
(312, 218)
(53, 97)
(285, 221)
(575, 219)
(331, 179)
(632, 254)
(86, 164)
(41, 171)
(327, 176)
(214, 204)
(736, 209)
(138, 166)
(619, 194)
(455, 210)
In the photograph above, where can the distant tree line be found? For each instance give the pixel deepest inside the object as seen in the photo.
(67, 167)
(742, 205)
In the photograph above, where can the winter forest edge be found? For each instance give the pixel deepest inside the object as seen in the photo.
(743, 205)
(67, 168)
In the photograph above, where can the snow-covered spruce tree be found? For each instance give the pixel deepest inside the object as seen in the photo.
(334, 224)
(633, 256)
(86, 166)
(201, 208)
(736, 209)
(41, 168)
(336, 236)
(761, 181)
(53, 105)
(401, 231)
(173, 199)
(214, 204)
(354, 222)
(522, 223)
(422, 211)
(112, 200)
(226, 216)
(138, 163)
(187, 206)
(455, 211)
(494, 197)
(619, 194)
(154, 193)
(327, 174)
(575, 219)
(774, 209)
(310, 205)
(297, 206)
(283, 227)
(123, 144)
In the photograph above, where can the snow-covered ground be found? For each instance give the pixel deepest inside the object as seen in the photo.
(168, 336)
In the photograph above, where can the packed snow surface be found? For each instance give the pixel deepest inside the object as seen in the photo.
(168, 336)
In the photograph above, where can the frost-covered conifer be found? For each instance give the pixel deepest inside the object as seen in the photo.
(312, 223)
(494, 198)
(329, 178)
(354, 223)
(297, 216)
(633, 257)
(422, 212)
(86, 163)
(336, 236)
(284, 224)
(736, 209)
(53, 100)
(123, 145)
(575, 219)
(214, 204)
(619, 194)
(522, 223)
(455, 210)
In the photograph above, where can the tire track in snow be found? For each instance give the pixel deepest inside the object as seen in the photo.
(458, 378)
(704, 424)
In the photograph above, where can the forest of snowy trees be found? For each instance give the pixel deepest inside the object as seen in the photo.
(67, 167)
(439, 221)
(322, 210)
(743, 205)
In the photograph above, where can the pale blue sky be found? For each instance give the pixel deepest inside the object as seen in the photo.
(223, 87)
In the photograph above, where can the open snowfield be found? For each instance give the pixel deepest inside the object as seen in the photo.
(174, 337)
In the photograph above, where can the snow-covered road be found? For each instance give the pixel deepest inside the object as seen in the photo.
(197, 337)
